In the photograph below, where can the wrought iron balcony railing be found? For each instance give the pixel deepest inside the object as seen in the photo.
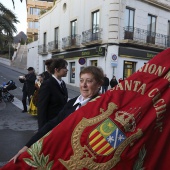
(91, 36)
(53, 46)
(71, 42)
(145, 36)
(42, 49)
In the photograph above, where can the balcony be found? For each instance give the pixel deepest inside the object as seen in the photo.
(92, 38)
(145, 38)
(42, 49)
(53, 46)
(71, 42)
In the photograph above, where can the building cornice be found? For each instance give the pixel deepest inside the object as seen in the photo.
(158, 4)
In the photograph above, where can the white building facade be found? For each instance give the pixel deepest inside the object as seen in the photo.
(120, 36)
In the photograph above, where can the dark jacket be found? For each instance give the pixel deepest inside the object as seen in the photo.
(67, 110)
(46, 75)
(106, 81)
(51, 100)
(29, 83)
(113, 83)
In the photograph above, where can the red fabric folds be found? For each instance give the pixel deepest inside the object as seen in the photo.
(125, 128)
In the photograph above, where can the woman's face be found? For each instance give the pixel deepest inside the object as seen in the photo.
(88, 85)
(61, 72)
(40, 79)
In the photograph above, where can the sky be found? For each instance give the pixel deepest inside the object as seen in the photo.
(20, 11)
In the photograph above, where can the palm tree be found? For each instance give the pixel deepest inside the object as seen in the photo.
(7, 21)
(14, 3)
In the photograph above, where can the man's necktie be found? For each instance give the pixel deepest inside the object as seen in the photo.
(62, 86)
(77, 106)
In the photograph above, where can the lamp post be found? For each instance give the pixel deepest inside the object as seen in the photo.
(9, 50)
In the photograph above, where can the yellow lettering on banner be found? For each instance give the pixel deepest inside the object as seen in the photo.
(155, 94)
(159, 105)
(167, 76)
(137, 83)
(128, 85)
(119, 86)
(142, 89)
(159, 125)
(131, 86)
(152, 69)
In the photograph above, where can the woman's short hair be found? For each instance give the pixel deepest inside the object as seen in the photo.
(57, 63)
(96, 72)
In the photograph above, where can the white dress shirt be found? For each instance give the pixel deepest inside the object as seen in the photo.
(59, 81)
(81, 100)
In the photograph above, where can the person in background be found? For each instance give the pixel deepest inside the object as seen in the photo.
(91, 80)
(33, 104)
(46, 74)
(105, 84)
(28, 87)
(120, 80)
(53, 94)
(113, 82)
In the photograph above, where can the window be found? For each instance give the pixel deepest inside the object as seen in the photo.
(151, 25)
(129, 68)
(168, 38)
(95, 26)
(95, 21)
(33, 25)
(151, 29)
(72, 72)
(94, 63)
(56, 33)
(73, 28)
(34, 11)
(45, 38)
(169, 28)
(73, 32)
(45, 42)
(129, 19)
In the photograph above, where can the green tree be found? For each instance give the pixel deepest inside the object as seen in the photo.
(7, 28)
(7, 21)
(14, 3)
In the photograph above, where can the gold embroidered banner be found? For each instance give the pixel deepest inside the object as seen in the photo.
(125, 128)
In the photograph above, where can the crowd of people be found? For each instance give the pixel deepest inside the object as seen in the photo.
(53, 95)
(113, 82)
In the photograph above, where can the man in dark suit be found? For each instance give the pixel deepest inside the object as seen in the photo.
(28, 87)
(53, 93)
(105, 84)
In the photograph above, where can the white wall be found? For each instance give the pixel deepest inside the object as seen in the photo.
(32, 56)
(112, 21)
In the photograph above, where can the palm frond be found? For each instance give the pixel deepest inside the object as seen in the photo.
(7, 21)
(14, 3)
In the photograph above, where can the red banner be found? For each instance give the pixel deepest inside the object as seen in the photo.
(125, 128)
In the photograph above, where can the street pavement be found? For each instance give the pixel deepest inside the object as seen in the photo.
(73, 91)
(16, 128)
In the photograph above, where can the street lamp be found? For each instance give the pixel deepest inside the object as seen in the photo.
(9, 51)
